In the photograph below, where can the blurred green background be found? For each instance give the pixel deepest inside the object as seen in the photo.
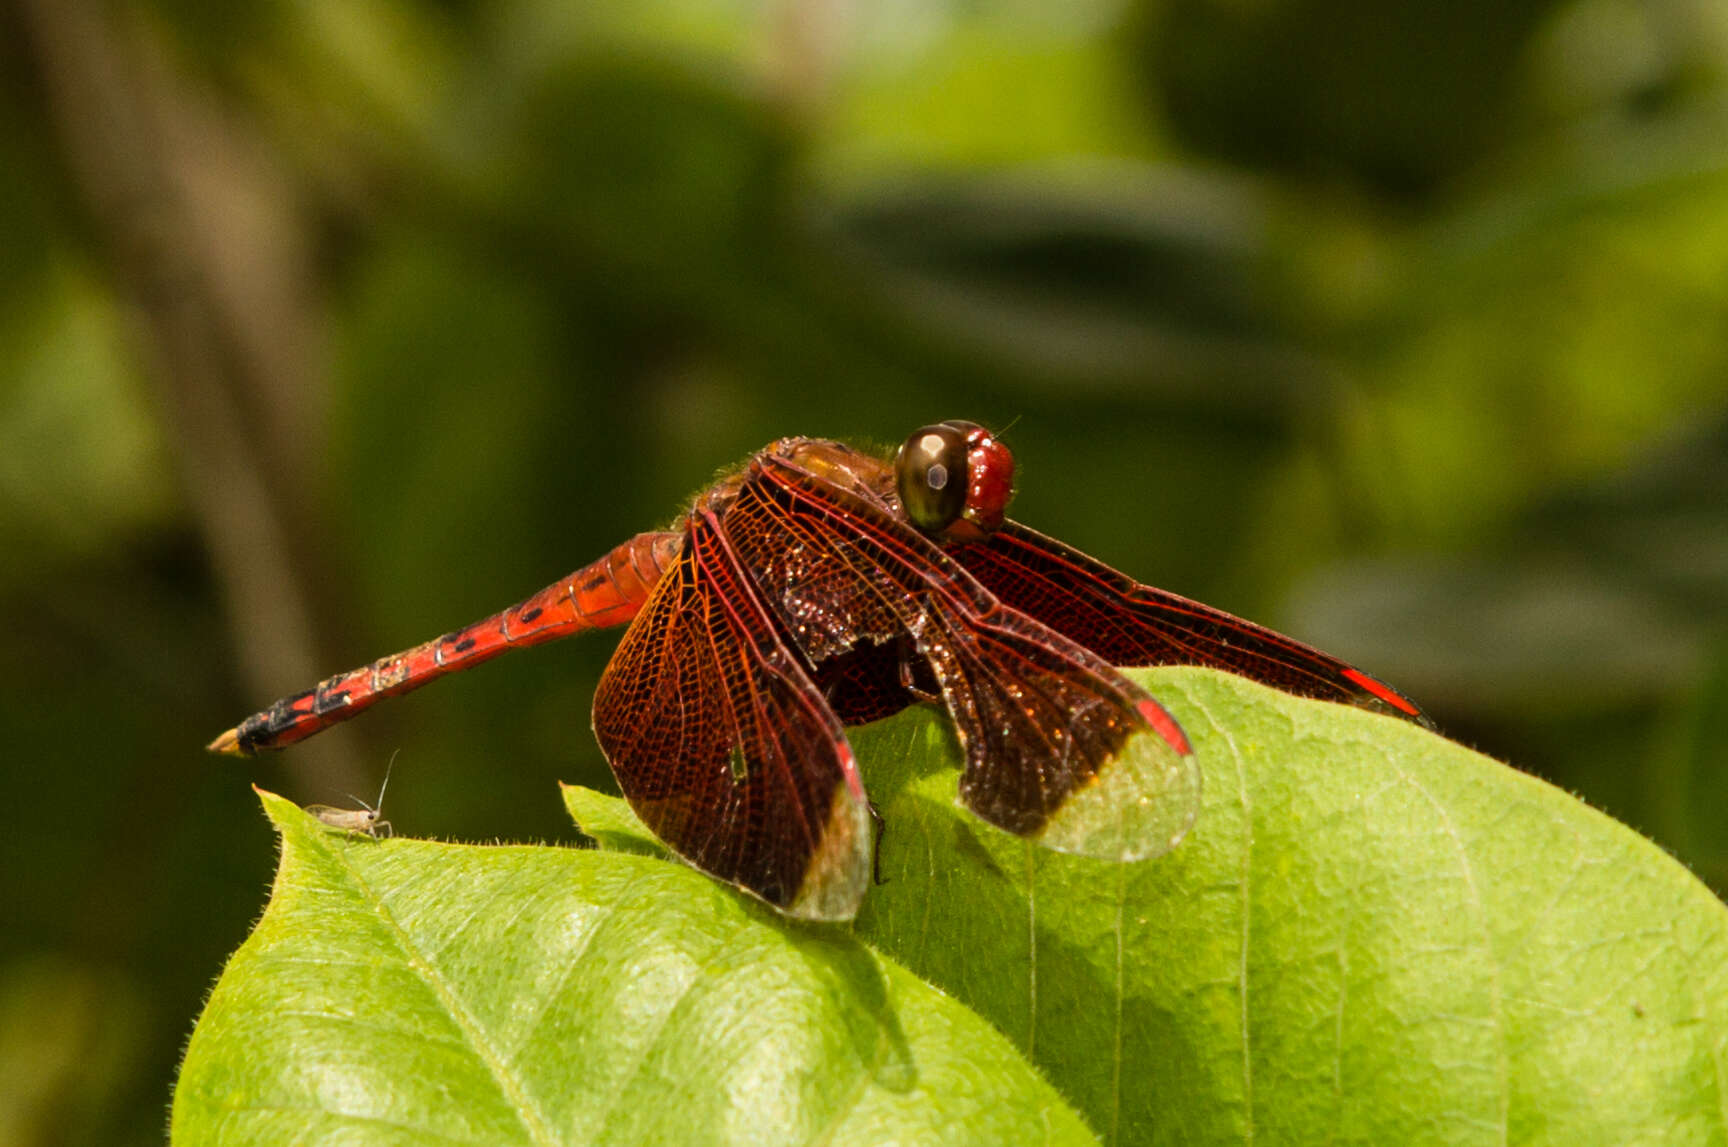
(328, 325)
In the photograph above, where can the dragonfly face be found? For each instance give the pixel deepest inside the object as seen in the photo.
(821, 586)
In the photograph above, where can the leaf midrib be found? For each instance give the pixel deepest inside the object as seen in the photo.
(532, 1119)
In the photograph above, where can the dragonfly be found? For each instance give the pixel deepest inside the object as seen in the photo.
(819, 585)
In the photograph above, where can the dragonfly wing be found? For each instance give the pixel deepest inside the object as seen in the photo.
(723, 745)
(1129, 623)
(1059, 746)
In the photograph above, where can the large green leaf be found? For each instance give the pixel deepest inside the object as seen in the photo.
(1372, 935)
(406, 991)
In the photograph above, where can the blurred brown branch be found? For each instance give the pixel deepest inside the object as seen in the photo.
(201, 237)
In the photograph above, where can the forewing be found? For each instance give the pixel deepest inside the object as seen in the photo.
(725, 748)
(1059, 746)
(1128, 623)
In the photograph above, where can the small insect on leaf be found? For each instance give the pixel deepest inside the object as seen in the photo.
(364, 819)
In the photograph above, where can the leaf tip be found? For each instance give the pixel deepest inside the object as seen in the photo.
(278, 808)
(609, 820)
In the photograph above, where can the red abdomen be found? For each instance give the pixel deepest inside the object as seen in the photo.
(606, 593)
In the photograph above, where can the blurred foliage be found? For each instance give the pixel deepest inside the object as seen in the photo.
(1413, 318)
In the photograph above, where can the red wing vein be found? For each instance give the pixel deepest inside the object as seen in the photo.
(722, 743)
(1039, 713)
(1000, 697)
(1124, 616)
(768, 750)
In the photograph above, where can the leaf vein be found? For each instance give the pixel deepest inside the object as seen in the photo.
(533, 1121)
(1497, 1018)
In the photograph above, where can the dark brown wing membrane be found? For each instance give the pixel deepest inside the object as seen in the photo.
(1128, 623)
(873, 681)
(723, 745)
(1059, 746)
(1042, 720)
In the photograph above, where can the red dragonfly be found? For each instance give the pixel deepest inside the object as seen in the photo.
(820, 586)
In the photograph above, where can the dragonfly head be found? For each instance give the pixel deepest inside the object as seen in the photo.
(955, 479)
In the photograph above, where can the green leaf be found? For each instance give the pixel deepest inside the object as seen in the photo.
(1372, 935)
(406, 991)
(611, 822)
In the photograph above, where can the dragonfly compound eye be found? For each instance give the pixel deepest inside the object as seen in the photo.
(931, 474)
